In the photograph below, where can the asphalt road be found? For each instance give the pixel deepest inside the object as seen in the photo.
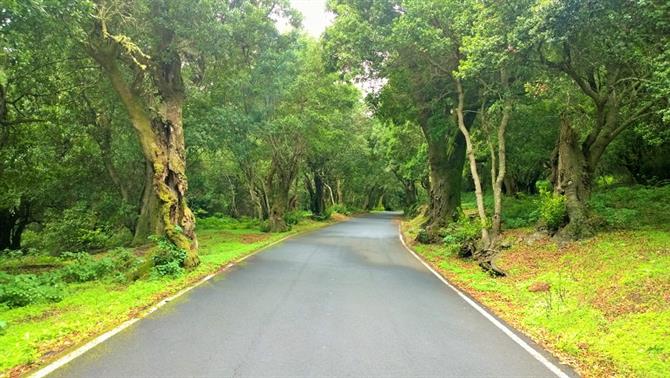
(347, 300)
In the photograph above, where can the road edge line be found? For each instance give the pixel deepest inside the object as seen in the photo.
(506, 330)
(62, 361)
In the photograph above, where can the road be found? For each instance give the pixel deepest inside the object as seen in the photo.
(346, 300)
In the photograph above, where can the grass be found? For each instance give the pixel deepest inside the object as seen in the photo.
(38, 333)
(602, 305)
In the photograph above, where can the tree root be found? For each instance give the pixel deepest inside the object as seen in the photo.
(487, 260)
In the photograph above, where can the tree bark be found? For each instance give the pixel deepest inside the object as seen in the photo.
(446, 156)
(574, 177)
(161, 135)
(479, 195)
(283, 170)
(12, 224)
(148, 221)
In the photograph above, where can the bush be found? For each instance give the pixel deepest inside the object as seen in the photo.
(423, 237)
(340, 209)
(322, 217)
(461, 236)
(24, 289)
(85, 268)
(264, 226)
(168, 259)
(293, 217)
(219, 222)
(76, 229)
(633, 207)
(551, 206)
(520, 211)
(120, 262)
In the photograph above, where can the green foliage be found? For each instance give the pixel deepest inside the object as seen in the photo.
(24, 289)
(340, 209)
(168, 259)
(461, 236)
(552, 210)
(76, 229)
(327, 213)
(636, 207)
(84, 267)
(294, 217)
(220, 222)
(120, 264)
(423, 236)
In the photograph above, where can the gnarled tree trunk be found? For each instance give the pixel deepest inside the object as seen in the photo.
(446, 156)
(573, 180)
(160, 131)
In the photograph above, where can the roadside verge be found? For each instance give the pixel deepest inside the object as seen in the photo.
(490, 315)
(220, 255)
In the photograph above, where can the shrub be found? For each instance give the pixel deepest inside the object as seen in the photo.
(120, 262)
(24, 289)
(76, 229)
(551, 206)
(423, 237)
(168, 259)
(293, 217)
(340, 209)
(461, 236)
(264, 226)
(85, 268)
(325, 216)
(220, 222)
(520, 211)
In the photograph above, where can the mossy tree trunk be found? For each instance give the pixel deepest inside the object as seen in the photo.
(573, 180)
(148, 221)
(157, 120)
(614, 93)
(282, 174)
(446, 156)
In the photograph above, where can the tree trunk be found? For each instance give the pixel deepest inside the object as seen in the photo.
(331, 195)
(278, 210)
(280, 178)
(498, 178)
(160, 131)
(319, 203)
(7, 222)
(446, 156)
(338, 190)
(573, 180)
(479, 195)
(148, 221)
(12, 224)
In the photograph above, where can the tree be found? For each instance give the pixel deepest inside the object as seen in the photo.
(606, 48)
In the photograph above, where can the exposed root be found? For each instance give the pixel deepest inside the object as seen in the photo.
(487, 259)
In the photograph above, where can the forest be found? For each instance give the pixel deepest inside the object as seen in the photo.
(145, 144)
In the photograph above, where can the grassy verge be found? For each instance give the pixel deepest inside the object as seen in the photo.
(36, 334)
(602, 305)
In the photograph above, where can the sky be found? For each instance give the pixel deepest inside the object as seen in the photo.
(315, 18)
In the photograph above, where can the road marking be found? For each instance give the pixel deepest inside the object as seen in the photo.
(102, 338)
(532, 351)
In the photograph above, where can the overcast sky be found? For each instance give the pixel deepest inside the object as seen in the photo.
(315, 18)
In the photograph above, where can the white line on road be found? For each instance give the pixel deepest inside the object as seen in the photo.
(102, 338)
(532, 351)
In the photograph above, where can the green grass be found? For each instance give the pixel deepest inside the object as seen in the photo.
(37, 333)
(607, 310)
